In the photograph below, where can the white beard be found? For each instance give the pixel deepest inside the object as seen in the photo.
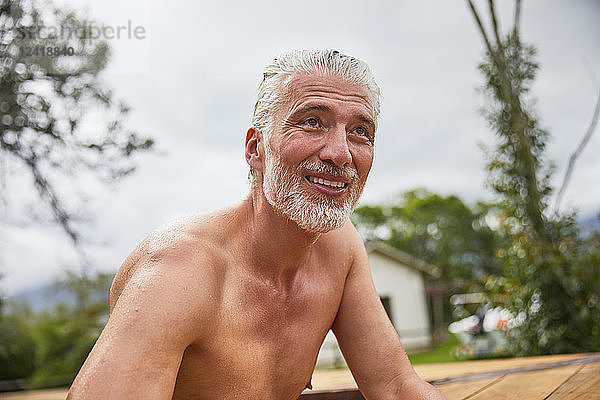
(312, 211)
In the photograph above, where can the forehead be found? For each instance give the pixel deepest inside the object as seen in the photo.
(306, 87)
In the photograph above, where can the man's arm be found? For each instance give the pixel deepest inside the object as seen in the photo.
(138, 354)
(369, 341)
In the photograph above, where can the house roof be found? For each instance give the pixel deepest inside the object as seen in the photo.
(402, 257)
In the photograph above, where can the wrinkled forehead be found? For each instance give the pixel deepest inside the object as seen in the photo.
(303, 86)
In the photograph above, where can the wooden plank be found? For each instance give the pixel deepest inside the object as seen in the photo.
(350, 394)
(336, 379)
(464, 390)
(527, 385)
(50, 394)
(342, 378)
(526, 368)
(431, 372)
(584, 385)
(480, 372)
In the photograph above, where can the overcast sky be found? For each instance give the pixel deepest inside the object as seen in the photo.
(191, 84)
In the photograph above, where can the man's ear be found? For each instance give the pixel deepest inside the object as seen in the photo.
(253, 150)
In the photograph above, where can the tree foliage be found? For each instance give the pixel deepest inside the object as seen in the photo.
(49, 347)
(550, 273)
(60, 129)
(17, 348)
(440, 230)
(516, 167)
(65, 336)
(58, 123)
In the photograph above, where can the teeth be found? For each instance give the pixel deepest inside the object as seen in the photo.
(325, 182)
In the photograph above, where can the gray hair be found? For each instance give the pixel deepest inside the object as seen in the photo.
(279, 72)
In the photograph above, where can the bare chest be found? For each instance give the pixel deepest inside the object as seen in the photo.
(264, 345)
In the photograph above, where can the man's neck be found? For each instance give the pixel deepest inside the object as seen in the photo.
(277, 247)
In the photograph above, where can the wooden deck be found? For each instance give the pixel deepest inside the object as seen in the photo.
(562, 377)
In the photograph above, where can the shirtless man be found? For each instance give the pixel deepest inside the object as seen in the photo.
(236, 304)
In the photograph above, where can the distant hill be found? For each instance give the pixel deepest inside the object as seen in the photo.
(48, 296)
(589, 223)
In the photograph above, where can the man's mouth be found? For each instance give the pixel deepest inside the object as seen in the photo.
(326, 183)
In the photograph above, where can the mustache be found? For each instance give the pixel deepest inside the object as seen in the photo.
(348, 173)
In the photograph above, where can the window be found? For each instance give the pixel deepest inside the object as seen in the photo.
(387, 304)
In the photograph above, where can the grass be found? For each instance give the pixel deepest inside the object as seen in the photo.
(440, 354)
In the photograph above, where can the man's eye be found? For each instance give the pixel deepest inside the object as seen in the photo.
(312, 122)
(361, 131)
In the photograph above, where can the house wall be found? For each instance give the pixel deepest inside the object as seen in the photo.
(405, 287)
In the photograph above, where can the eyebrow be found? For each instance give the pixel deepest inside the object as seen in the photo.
(310, 107)
(367, 120)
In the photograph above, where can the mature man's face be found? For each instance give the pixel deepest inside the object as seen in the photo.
(320, 151)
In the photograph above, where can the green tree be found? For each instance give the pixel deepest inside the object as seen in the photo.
(48, 348)
(17, 347)
(60, 128)
(49, 89)
(440, 230)
(550, 274)
(65, 335)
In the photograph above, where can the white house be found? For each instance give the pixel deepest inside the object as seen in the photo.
(399, 281)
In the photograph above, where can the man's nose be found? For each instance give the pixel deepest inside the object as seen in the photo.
(336, 149)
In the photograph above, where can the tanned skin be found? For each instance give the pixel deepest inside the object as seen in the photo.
(235, 305)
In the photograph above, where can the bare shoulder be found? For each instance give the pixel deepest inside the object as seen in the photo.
(178, 257)
(345, 243)
(163, 299)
